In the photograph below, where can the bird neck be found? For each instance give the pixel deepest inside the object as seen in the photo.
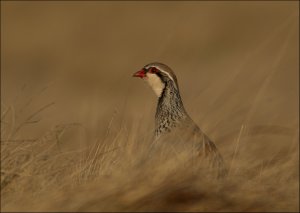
(170, 110)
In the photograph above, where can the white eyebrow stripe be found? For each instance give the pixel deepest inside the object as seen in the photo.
(165, 73)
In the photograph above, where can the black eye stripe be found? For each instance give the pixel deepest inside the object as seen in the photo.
(151, 70)
(156, 71)
(160, 75)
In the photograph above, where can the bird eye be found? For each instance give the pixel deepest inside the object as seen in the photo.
(153, 70)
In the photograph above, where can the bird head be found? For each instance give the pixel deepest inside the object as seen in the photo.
(158, 76)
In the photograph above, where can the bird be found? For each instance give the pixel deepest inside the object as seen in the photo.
(171, 118)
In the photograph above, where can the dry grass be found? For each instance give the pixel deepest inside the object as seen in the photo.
(76, 129)
(113, 175)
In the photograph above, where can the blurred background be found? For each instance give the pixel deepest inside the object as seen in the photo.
(237, 64)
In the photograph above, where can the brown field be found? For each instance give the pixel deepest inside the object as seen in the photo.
(75, 125)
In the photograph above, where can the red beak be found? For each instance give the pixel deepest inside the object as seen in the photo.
(140, 74)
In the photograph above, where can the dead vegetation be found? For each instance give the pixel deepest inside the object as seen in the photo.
(115, 175)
